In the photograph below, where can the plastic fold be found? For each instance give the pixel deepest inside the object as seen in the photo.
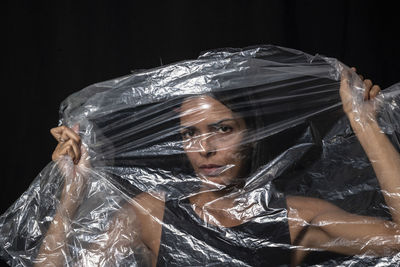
(241, 157)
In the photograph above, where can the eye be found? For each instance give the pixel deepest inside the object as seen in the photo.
(224, 129)
(187, 134)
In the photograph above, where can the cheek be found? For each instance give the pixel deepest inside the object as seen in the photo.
(192, 156)
(234, 158)
(232, 151)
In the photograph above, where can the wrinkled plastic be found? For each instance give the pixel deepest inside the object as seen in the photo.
(195, 163)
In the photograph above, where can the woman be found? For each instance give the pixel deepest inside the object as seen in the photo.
(214, 139)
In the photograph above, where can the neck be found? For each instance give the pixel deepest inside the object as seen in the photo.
(207, 196)
(215, 207)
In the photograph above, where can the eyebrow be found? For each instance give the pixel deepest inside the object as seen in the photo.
(221, 121)
(212, 124)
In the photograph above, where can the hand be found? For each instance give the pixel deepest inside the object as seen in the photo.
(72, 158)
(69, 143)
(359, 108)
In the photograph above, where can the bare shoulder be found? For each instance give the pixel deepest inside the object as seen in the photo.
(149, 204)
(308, 207)
(303, 210)
(149, 210)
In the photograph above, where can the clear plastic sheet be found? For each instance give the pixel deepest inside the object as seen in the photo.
(238, 158)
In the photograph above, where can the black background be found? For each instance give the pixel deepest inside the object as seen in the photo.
(55, 48)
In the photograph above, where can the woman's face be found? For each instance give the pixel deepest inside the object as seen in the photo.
(213, 139)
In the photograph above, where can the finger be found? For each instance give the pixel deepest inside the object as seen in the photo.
(75, 149)
(63, 133)
(84, 159)
(367, 88)
(69, 148)
(70, 152)
(345, 77)
(359, 75)
(56, 153)
(64, 137)
(374, 91)
(345, 83)
(56, 132)
(63, 150)
(59, 133)
(345, 90)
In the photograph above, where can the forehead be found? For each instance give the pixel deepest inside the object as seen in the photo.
(203, 108)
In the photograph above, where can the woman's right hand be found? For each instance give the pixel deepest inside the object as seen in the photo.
(73, 161)
(69, 144)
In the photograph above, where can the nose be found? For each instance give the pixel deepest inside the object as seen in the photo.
(207, 146)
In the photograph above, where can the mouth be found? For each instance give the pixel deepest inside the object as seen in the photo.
(212, 170)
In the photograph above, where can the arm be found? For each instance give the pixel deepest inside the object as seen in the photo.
(318, 224)
(385, 161)
(135, 229)
(139, 220)
(72, 160)
(384, 157)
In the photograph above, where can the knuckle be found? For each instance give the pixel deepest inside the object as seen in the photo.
(54, 156)
(70, 142)
(53, 131)
(368, 81)
(76, 139)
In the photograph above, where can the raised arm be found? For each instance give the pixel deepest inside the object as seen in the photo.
(316, 223)
(384, 158)
(134, 230)
(72, 160)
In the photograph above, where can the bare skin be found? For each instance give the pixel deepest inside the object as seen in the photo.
(213, 148)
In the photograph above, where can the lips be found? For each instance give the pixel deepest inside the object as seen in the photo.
(211, 169)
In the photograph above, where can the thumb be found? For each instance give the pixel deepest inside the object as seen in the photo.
(345, 79)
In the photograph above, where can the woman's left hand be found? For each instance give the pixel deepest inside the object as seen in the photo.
(357, 109)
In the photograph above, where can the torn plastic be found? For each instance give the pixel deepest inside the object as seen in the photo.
(192, 164)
